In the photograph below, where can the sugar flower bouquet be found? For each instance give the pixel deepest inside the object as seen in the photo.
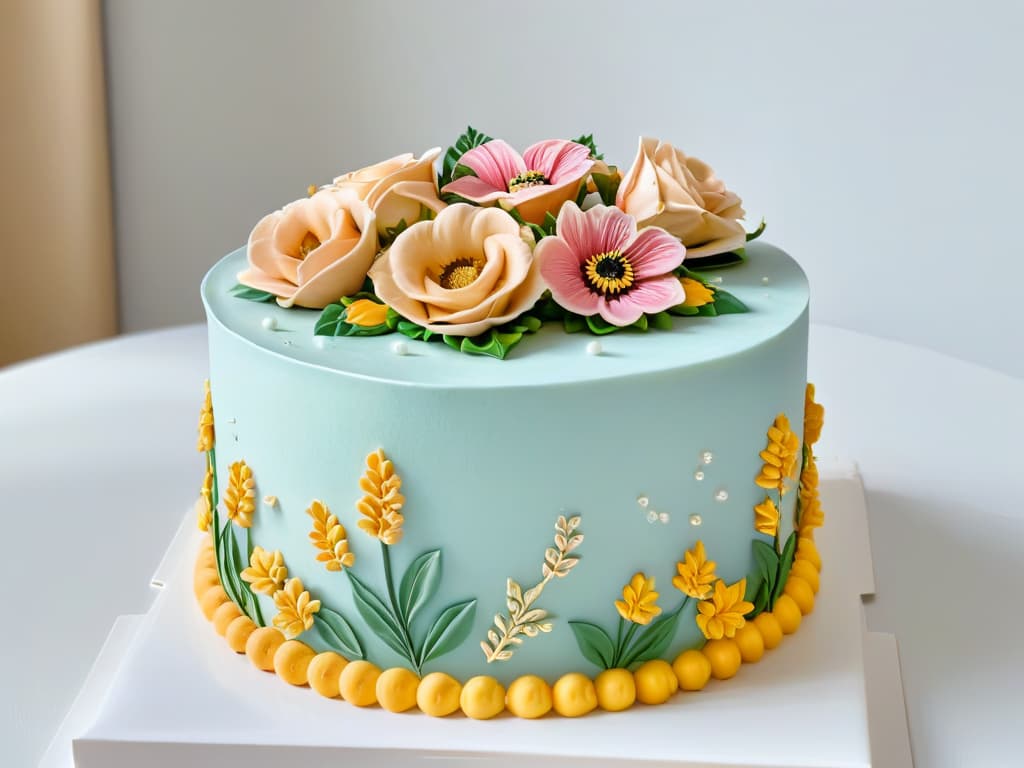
(485, 245)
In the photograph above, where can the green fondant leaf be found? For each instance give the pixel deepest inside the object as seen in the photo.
(594, 643)
(333, 320)
(471, 138)
(654, 640)
(582, 194)
(785, 564)
(607, 185)
(727, 304)
(413, 331)
(717, 261)
(391, 233)
(419, 584)
(251, 294)
(338, 633)
(243, 598)
(587, 140)
(455, 342)
(641, 324)
(662, 321)
(462, 170)
(450, 628)
(760, 600)
(599, 326)
(378, 617)
(757, 232)
(682, 311)
(493, 343)
(573, 323)
(767, 560)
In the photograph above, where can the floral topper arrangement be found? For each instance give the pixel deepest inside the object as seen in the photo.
(496, 243)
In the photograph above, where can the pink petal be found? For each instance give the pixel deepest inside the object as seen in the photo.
(495, 163)
(658, 294)
(559, 160)
(560, 268)
(599, 230)
(472, 188)
(654, 252)
(621, 311)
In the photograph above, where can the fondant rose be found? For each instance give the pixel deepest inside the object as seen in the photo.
(460, 274)
(395, 188)
(682, 195)
(312, 251)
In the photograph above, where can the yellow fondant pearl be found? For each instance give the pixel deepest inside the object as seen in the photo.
(291, 662)
(212, 599)
(529, 697)
(692, 669)
(482, 697)
(438, 694)
(771, 631)
(801, 593)
(655, 682)
(616, 689)
(224, 615)
(238, 632)
(262, 645)
(751, 644)
(203, 579)
(574, 695)
(788, 614)
(806, 571)
(805, 550)
(724, 656)
(324, 672)
(358, 683)
(396, 689)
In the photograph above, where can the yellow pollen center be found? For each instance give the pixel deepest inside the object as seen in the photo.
(527, 179)
(460, 273)
(309, 242)
(608, 273)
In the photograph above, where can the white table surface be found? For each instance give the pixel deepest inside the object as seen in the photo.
(99, 459)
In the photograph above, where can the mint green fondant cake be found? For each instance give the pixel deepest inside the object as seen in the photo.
(611, 475)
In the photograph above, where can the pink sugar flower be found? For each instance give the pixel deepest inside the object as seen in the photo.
(547, 175)
(597, 263)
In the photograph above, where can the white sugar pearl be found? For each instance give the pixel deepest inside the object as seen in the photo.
(664, 517)
(643, 501)
(652, 516)
(594, 348)
(765, 280)
(400, 348)
(698, 475)
(269, 323)
(695, 520)
(721, 495)
(707, 457)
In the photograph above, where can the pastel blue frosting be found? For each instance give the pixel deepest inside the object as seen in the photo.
(491, 452)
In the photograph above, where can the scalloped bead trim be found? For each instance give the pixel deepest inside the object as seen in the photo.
(397, 689)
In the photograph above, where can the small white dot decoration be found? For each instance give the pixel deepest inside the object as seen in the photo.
(707, 457)
(400, 348)
(269, 323)
(765, 280)
(652, 516)
(698, 475)
(664, 517)
(594, 348)
(715, 280)
(270, 501)
(721, 495)
(695, 520)
(643, 501)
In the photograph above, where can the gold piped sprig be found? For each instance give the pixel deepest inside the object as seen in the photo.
(523, 619)
(328, 536)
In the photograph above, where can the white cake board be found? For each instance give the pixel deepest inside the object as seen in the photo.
(167, 692)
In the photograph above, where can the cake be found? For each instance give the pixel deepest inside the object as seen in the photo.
(498, 432)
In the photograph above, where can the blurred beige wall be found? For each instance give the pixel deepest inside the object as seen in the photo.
(59, 281)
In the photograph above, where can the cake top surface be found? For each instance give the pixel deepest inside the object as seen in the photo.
(768, 282)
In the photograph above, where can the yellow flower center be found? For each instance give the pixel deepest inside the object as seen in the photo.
(608, 273)
(460, 273)
(527, 179)
(309, 242)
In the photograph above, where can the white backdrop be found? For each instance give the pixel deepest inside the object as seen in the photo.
(882, 141)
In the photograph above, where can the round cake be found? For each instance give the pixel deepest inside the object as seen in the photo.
(553, 528)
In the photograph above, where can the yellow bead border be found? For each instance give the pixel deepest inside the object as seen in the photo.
(398, 689)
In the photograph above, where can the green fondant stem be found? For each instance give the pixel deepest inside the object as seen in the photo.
(396, 608)
(248, 587)
(618, 642)
(621, 652)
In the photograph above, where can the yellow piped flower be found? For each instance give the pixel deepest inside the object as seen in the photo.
(811, 513)
(240, 495)
(295, 609)
(639, 600)
(206, 437)
(328, 535)
(382, 503)
(779, 456)
(697, 294)
(766, 517)
(204, 504)
(814, 416)
(366, 313)
(696, 573)
(722, 614)
(266, 572)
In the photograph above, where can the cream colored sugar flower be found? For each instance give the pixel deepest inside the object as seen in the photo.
(314, 250)
(295, 609)
(396, 188)
(266, 572)
(464, 272)
(681, 194)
